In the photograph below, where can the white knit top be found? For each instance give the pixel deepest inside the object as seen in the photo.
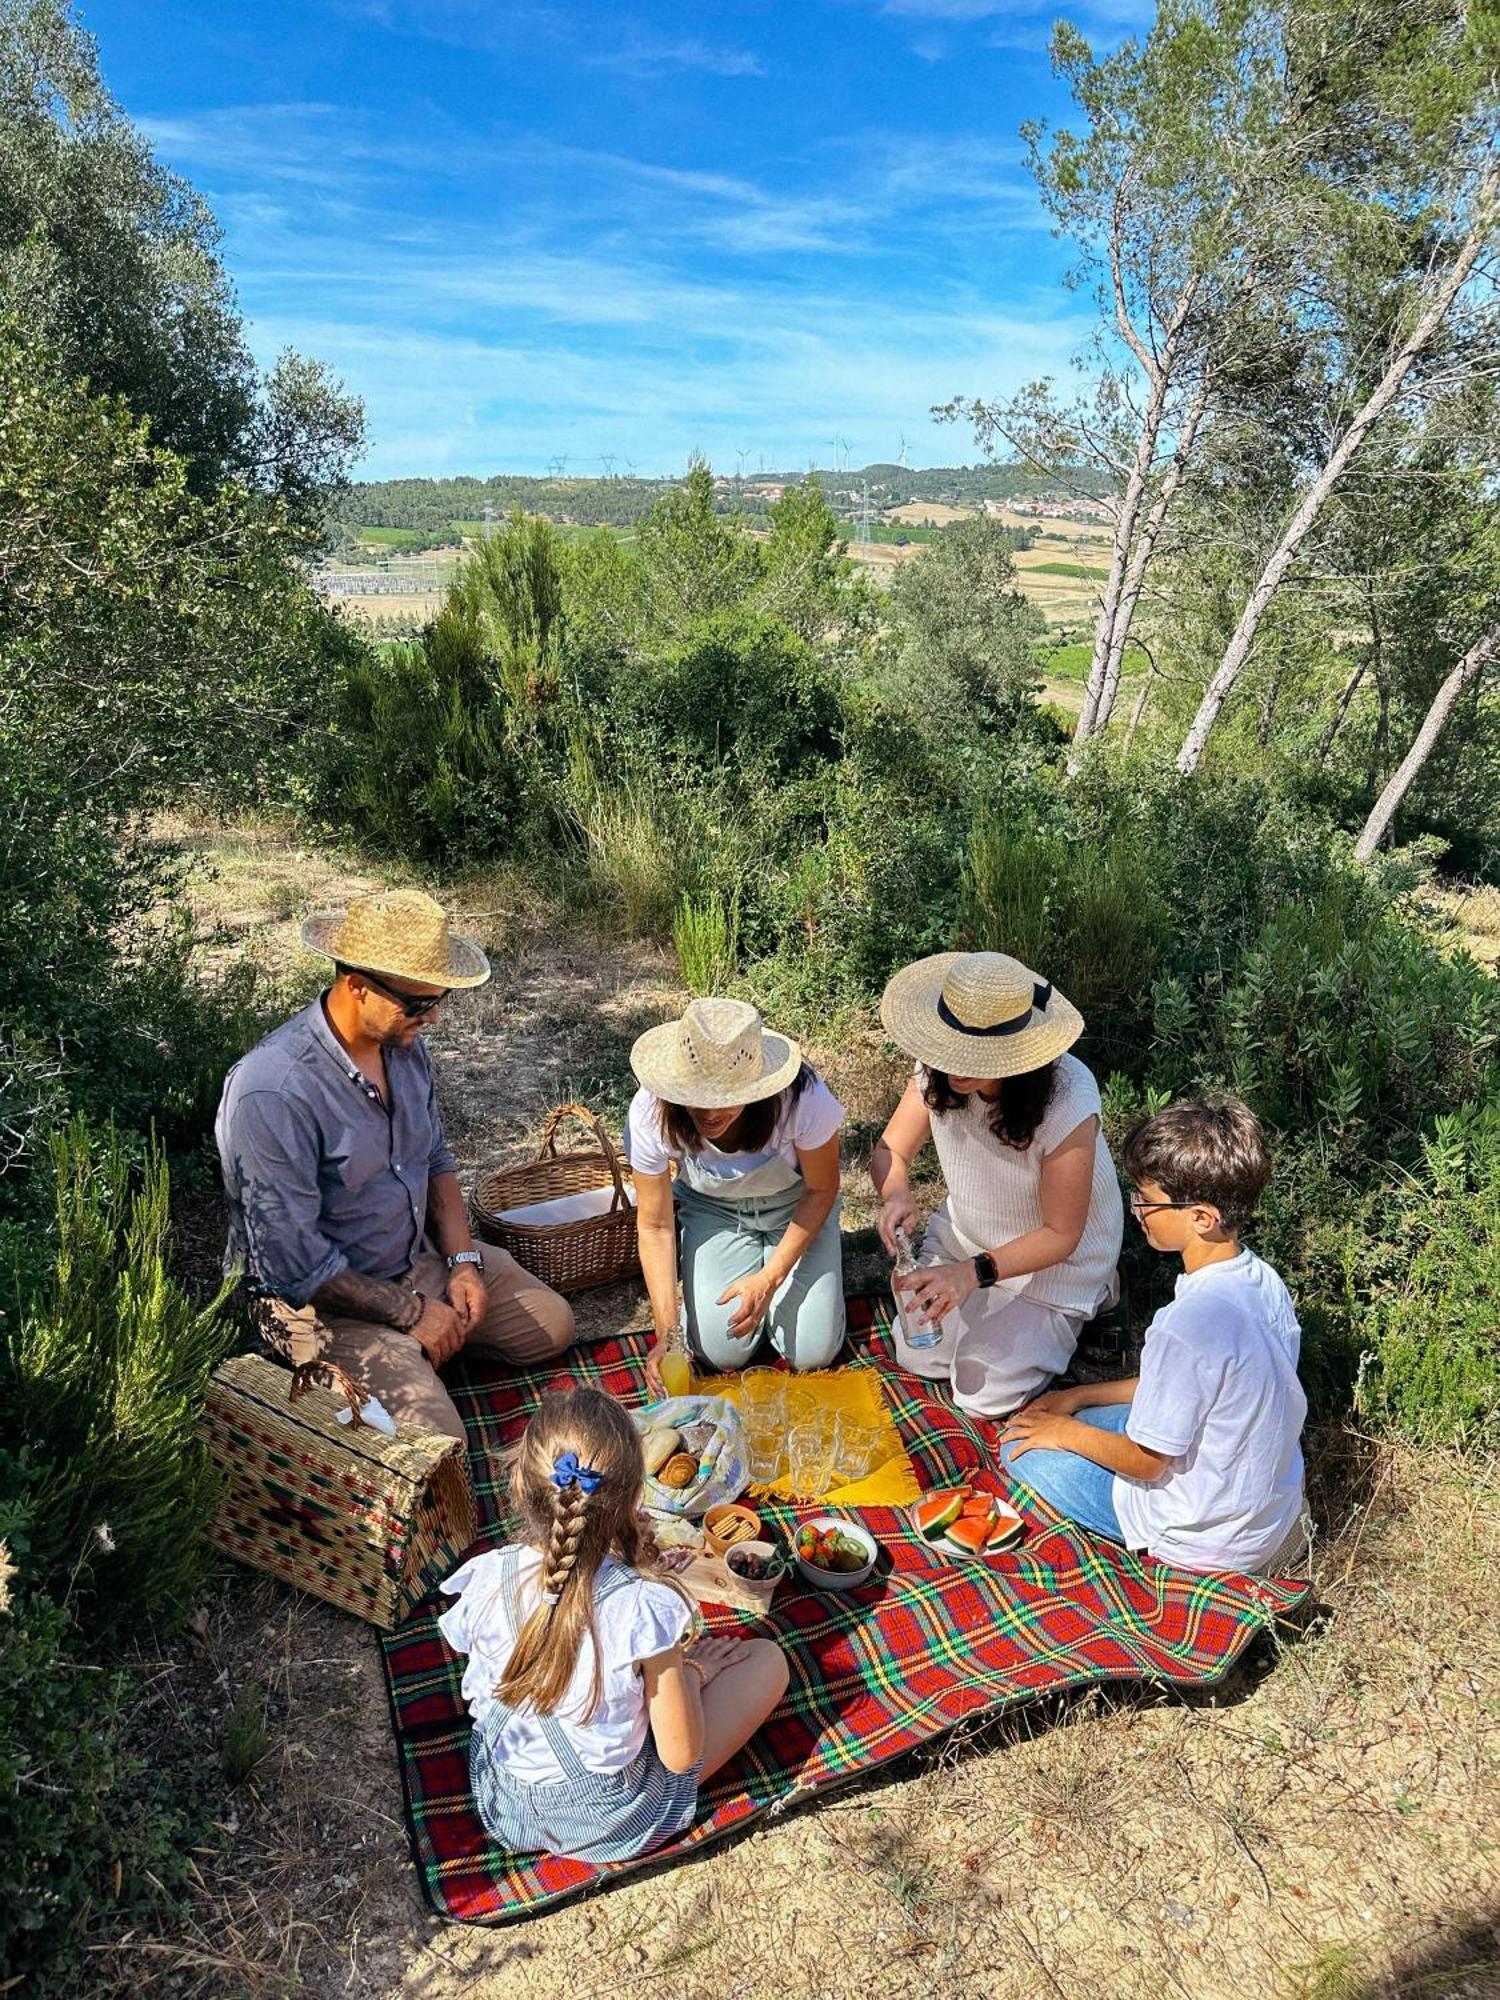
(994, 1192)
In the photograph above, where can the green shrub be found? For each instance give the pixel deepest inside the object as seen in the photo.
(88, 1822)
(1082, 912)
(102, 1378)
(1421, 1291)
(706, 934)
(420, 767)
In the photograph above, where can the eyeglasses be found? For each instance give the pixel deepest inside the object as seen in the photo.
(1139, 1207)
(414, 1007)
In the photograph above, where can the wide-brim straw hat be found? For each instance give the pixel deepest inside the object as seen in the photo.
(978, 1013)
(719, 1054)
(401, 932)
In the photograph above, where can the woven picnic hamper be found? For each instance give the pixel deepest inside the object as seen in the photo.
(569, 1256)
(367, 1521)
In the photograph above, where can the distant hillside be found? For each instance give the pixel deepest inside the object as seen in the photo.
(432, 513)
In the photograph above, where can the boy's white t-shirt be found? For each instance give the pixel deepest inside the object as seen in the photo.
(1219, 1395)
(808, 1122)
(634, 1623)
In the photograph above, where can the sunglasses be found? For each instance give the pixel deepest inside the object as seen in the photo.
(1139, 1207)
(414, 1007)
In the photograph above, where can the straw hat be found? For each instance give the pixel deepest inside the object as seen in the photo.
(978, 1013)
(402, 932)
(717, 1055)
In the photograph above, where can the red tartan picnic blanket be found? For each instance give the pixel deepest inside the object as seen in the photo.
(932, 1640)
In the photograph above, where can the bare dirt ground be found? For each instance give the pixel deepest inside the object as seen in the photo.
(1323, 1828)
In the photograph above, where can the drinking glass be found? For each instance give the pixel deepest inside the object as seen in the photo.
(763, 1451)
(860, 1447)
(810, 1455)
(763, 1391)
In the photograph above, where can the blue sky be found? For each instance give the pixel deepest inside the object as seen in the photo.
(527, 231)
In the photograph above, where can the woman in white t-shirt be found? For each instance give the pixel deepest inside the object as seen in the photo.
(1024, 1248)
(753, 1215)
(593, 1721)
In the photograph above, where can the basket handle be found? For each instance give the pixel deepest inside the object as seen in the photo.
(547, 1150)
(328, 1375)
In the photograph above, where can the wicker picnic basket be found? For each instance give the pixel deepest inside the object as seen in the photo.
(367, 1521)
(569, 1256)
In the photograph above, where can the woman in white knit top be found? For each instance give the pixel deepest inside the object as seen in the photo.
(1023, 1250)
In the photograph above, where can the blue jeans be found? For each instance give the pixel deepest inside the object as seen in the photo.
(724, 1241)
(1075, 1486)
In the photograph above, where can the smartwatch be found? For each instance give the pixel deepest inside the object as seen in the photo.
(464, 1257)
(985, 1271)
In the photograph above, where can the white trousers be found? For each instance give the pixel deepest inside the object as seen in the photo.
(999, 1348)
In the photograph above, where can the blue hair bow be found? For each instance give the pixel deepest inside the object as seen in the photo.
(566, 1471)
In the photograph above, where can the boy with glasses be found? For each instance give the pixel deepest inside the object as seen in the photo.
(344, 1204)
(1198, 1459)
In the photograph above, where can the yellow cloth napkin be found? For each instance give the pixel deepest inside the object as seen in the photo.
(853, 1391)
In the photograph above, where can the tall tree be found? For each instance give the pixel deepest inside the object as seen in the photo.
(1418, 318)
(1482, 655)
(116, 260)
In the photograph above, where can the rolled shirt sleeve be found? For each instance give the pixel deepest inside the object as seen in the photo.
(272, 1163)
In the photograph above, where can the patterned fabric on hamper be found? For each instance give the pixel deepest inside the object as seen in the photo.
(932, 1640)
(369, 1522)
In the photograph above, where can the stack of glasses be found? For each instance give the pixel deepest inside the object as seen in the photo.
(790, 1437)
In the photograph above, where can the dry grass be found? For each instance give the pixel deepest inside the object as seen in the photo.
(1322, 1827)
(1474, 915)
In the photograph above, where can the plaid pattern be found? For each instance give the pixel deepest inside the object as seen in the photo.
(932, 1640)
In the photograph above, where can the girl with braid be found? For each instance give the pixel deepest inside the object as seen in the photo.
(593, 1723)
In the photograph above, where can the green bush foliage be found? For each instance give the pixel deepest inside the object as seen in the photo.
(1421, 1291)
(102, 1375)
(86, 1824)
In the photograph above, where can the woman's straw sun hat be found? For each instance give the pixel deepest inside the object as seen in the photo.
(719, 1054)
(401, 932)
(978, 1013)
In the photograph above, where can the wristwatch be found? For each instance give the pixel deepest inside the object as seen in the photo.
(464, 1257)
(986, 1272)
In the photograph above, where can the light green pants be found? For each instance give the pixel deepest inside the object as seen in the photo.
(721, 1242)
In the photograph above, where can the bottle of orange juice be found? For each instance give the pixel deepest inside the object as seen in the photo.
(676, 1364)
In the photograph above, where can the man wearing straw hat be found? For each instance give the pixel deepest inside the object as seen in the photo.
(344, 1206)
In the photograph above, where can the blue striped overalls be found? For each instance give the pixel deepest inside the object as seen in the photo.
(586, 1815)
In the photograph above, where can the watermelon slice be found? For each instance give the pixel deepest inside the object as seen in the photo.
(969, 1537)
(979, 1507)
(1007, 1527)
(932, 1515)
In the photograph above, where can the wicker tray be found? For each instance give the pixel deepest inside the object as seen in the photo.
(568, 1256)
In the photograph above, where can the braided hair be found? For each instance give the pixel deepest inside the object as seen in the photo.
(577, 1485)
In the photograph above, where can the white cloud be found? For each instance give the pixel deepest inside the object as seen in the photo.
(630, 305)
(647, 55)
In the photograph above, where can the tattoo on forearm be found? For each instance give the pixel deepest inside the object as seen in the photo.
(354, 1296)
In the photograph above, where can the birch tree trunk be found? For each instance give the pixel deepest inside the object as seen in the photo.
(1336, 720)
(1140, 561)
(1384, 394)
(1126, 561)
(1470, 667)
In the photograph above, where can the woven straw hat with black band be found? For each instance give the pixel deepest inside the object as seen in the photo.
(978, 1013)
(402, 933)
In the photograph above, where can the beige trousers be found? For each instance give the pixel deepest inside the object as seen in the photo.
(525, 1321)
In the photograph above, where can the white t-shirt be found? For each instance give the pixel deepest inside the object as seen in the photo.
(1218, 1393)
(810, 1121)
(634, 1624)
